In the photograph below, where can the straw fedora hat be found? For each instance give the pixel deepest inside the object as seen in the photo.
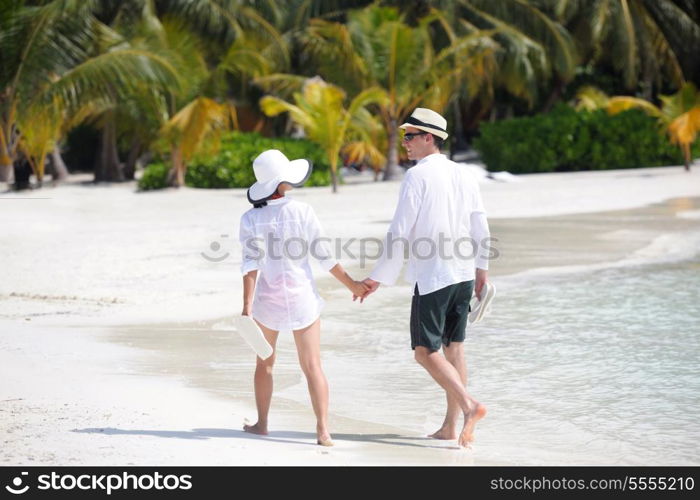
(427, 120)
(271, 169)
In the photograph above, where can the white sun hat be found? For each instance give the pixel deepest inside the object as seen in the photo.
(480, 308)
(271, 169)
(427, 120)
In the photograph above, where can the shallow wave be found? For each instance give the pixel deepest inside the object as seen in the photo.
(666, 248)
(689, 214)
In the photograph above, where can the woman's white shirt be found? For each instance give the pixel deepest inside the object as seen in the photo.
(277, 240)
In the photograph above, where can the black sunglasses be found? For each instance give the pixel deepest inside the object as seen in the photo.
(410, 135)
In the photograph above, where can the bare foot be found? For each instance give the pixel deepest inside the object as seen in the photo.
(255, 429)
(445, 433)
(323, 438)
(325, 442)
(470, 420)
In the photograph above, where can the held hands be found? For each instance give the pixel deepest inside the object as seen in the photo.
(358, 289)
(371, 287)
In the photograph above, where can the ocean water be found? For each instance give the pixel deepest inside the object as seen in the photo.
(594, 367)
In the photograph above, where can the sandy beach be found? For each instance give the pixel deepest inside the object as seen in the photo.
(116, 349)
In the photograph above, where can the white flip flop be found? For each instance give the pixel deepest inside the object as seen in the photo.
(253, 335)
(480, 308)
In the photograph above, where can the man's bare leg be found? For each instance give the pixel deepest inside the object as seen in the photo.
(308, 341)
(454, 354)
(447, 376)
(263, 385)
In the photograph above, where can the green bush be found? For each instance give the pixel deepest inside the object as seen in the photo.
(566, 140)
(155, 176)
(232, 165)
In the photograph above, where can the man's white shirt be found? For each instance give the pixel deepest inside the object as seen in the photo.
(440, 219)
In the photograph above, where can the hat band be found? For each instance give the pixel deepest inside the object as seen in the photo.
(415, 121)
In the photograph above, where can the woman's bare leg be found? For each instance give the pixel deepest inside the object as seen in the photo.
(263, 384)
(308, 341)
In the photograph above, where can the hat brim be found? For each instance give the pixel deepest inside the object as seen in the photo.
(296, 174)
(439, 133)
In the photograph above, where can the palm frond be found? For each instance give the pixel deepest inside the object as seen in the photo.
(619, 104)
(591, 98)
(280, 84)
(199, 121)
(273, 106)
(525, 17)
(684, 129)
(40, 128)
(110, 74)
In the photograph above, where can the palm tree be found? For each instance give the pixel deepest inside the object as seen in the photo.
(537, 53)
(534, 61)
(319, 109)
(647, 42)
(49, 66)
(215, 46)
(190, 129)
(377, 48)
(211, 93)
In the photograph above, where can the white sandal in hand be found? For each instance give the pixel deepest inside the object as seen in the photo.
(480, 308)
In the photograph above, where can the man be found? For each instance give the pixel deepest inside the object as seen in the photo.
(440, 220)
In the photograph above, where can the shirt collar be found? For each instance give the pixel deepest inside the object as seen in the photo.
(431, 157)
(278, 201)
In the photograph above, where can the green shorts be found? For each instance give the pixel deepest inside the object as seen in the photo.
(440, 317)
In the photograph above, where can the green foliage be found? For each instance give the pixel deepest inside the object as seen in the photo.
(155, 176)
(232, 166)
(566, 140)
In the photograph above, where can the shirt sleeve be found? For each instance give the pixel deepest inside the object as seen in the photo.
(250, 247)
(479, 229)
(479, 233)
(319, 244)
(396, 242)
(478, 205)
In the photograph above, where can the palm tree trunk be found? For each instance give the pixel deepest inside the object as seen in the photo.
(39, 170)
(392, 164)
(6, 168)
(6, 173)
(176, 176)
(334, 170)
(22, 173)
(457, 142)
(59, 169)
(134, 153)
(108, 167)
(686, 155)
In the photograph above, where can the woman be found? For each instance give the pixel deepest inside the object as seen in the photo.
(277, 235)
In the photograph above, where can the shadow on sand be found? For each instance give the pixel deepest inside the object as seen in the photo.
(301, 438)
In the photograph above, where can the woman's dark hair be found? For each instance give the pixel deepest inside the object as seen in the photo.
(263, 203)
